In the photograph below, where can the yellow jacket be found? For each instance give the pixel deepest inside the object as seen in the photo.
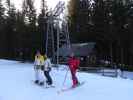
(39, 60)
(45, 57)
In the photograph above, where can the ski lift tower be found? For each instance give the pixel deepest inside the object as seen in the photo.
(55, 40)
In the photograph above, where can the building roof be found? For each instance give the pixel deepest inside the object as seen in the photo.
(79, 49)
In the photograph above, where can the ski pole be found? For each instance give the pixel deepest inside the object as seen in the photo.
(65, 78)
(63, 82)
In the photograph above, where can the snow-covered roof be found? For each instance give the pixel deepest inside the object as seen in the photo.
(79, 49)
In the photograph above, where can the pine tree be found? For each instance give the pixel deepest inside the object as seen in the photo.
(42, 25)
(77, 10)
(29, 13)
(20, 29)
(2, 24)
(73, 8)
(10, 28)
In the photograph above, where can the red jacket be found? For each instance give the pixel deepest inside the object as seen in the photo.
(73, 63)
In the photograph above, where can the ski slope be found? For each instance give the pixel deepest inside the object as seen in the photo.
(16, 83)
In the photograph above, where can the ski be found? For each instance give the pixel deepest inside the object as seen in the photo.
(50, 86)
(37, 84)
(70, 88)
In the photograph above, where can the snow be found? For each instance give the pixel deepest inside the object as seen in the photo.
(128, 75)
(17, 84)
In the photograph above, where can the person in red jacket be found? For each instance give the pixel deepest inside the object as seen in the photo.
(73, 63)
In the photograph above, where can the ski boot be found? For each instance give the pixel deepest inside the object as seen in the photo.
(36, 82)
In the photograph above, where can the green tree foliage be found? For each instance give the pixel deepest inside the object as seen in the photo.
(22, 32)
(73, 8)
(29, 36)
(10, 28)
(42, 25)
(106, 22)
(2, 23)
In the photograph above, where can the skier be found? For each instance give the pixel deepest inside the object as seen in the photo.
(47, 69)
(73, 63)
(38, 65)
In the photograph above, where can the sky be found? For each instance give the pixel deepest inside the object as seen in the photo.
(50, 3)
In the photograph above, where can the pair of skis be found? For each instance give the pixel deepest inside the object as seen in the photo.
(62, 90)
(44, 85)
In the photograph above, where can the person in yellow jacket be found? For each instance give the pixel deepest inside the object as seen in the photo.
(38, 66)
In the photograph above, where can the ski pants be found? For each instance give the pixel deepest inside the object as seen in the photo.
(48, 78)
(74, 78)
(38, 73)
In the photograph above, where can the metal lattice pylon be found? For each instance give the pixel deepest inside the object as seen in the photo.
(50, 38)
(55, 40)
(62, 40)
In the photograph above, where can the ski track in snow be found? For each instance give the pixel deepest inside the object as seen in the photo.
(16, 84)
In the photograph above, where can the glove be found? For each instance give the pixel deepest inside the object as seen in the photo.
(49, 69)
(42, 67)
(36, 67)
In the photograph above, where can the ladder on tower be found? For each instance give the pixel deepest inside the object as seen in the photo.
(63, 39)
(50, 48)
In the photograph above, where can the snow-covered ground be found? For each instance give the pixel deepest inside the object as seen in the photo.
(16, 83)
